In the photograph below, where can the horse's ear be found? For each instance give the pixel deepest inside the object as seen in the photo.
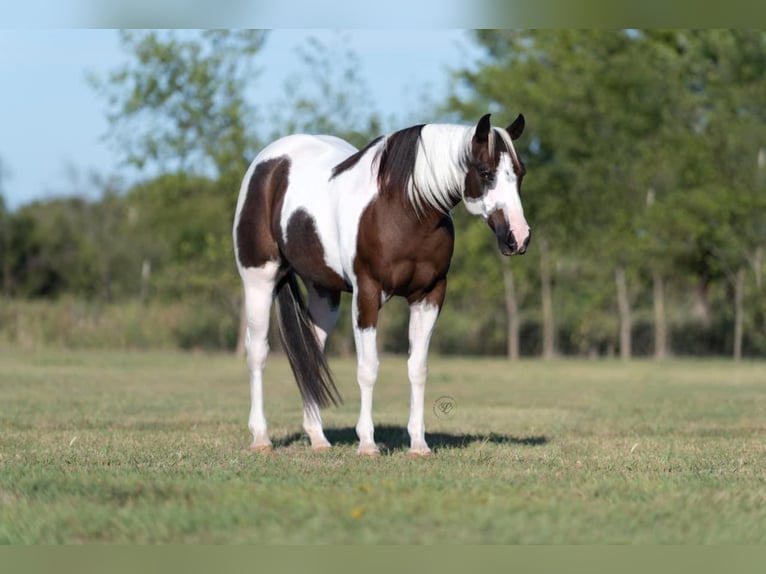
(516, 128)
(482, 129)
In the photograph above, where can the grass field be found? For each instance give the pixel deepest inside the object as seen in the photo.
(152, 448)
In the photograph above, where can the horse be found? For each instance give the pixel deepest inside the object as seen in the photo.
(375, 223)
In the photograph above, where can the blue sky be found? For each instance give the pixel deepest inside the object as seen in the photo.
(52, 121)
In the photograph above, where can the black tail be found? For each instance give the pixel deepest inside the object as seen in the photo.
(307, 358)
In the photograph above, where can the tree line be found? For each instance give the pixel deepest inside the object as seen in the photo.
(646, 191)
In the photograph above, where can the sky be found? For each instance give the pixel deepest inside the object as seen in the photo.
(52, 122)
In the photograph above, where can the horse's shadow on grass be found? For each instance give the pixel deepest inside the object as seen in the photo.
(392, 438)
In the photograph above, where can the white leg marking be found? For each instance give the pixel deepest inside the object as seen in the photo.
(324, 316)
(259, 290)
(422, 320)
(366, 375)
(312, 424)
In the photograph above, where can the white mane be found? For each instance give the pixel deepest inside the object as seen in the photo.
(443, 156)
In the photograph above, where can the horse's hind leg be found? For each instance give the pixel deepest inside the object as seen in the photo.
(323, 309)
(259, 285)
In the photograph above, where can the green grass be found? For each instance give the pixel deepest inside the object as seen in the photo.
(152, 448)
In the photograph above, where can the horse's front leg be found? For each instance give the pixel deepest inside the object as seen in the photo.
(364, 309)
(423, 315)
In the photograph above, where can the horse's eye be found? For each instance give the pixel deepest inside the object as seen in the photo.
(485, 173)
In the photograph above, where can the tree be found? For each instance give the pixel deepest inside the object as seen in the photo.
(616, 117)
(723, 205)
(552, 76)
(328, 95)
(180, 103)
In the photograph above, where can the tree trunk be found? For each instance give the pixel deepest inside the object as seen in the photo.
(7, 290)
(107, 284)
(5, 253)
(512, 309)
(739, 291)
(623, 304)
(660, 323)
(701, 304)
(546, 293)
(146, 271)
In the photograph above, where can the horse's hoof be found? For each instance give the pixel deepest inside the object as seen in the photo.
(261, 448)
(321, 448)
(369, 451)
(421, 453)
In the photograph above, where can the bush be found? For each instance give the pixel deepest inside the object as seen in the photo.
(77, 324)
(207, 327)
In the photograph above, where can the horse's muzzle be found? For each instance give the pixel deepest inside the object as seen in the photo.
(508, 245)
(506, 241)
(523, 249)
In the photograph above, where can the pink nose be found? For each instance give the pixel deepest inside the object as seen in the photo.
(524, 245)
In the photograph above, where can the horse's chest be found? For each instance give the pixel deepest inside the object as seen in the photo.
(405, 257)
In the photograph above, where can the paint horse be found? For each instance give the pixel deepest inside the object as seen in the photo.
(375, 223)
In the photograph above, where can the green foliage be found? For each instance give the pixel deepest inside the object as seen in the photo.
(180, 101)
(72, 246)
(641, 150)
(329, 96)
(73, 323)
(208, 324)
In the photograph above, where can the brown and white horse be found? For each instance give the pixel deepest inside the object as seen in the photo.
(375, 223)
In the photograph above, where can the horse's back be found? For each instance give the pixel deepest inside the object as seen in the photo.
(320, 150)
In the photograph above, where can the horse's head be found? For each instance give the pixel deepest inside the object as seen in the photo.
(493, 184)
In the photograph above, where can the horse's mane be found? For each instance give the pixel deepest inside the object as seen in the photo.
(427, 162)
(353, 159)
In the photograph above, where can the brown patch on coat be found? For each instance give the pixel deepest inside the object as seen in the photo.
(303, 249)
(399, 254)
(255, 231)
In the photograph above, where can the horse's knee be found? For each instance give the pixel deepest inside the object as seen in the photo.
(367, 372)
(257, 352)
(417, 370)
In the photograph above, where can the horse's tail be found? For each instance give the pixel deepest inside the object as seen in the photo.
(306, 356)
